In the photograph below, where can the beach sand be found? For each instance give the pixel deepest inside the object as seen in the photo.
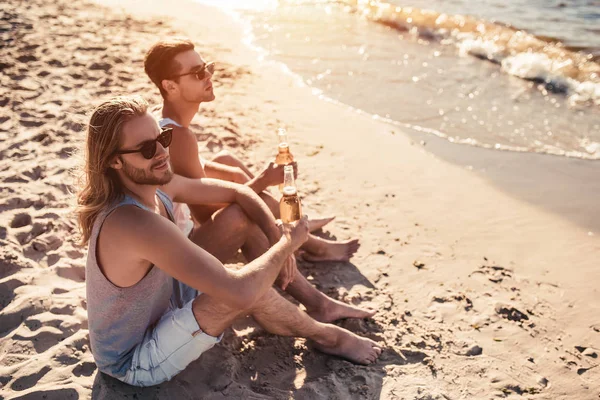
(480, 294)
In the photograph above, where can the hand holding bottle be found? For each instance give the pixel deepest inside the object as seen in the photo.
(272, 174)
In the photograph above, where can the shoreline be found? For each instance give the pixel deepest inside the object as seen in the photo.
(472, 279)
(497, 109)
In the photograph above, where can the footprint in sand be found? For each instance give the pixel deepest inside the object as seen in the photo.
(46, 243)
(587, 351)
(43, 339)
(21, 308)
(75, 254)
(66, 152)
(457, 297)
(73, 273)
(390, 356)
(26, 58)
(41, 138)
(15, 179)
(85, 368)
(15, 203)
(66, 309)
(11, 263)
(7, 291)
(511, 313)
(494, 273)
(29, 381)
(31, 123)
(20, 220)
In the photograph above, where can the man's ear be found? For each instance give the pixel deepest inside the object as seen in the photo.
(168, 85)
(116, 162)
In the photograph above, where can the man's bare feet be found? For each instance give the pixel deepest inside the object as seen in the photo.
(333, 251)
(316, 224)
(332, 310)
(352, 347)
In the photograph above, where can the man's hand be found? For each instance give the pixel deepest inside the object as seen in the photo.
(296, 232)
(288, 272)
(272, 174)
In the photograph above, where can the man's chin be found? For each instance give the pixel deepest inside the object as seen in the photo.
(167, 177)
(162, 179)
(209, 98)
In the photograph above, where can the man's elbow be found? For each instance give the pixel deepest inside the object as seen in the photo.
(244, 298)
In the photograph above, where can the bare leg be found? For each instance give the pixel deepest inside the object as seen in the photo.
(318, 305)
(316, 248)
(224, 233)
(319, 249)
(322, 307)
(281, 317)
(230, 229)
(225, 157)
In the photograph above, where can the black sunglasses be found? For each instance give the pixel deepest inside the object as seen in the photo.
(201, 73)
(148, 148)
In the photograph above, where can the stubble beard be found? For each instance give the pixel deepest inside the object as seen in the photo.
(141, 176)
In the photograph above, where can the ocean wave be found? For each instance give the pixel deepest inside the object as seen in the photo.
(519, 53)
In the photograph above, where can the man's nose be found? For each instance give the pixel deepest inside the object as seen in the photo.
(161, 151)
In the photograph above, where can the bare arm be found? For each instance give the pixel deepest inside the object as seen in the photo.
(184, 154)
(210, 191)
(271, 175)
(155, 239)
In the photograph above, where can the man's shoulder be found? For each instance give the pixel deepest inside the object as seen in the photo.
(182, 135)
(127, 219)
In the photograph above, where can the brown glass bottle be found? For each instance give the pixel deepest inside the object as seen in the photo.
(290, 208)
(284, 157)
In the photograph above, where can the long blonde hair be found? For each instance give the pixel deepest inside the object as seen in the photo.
(100, 185)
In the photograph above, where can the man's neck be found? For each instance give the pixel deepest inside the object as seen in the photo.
(180, 111)
(145, 194)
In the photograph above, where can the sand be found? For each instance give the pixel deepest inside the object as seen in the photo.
(481, 294)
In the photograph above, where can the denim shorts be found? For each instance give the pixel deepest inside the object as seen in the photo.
(172, 344)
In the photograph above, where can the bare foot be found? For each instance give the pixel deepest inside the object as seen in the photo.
(316, 224)
(352, 347)
(332, 310)
(333, 251)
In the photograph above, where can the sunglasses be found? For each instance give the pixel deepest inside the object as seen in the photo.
(148, 148)
(200, 73)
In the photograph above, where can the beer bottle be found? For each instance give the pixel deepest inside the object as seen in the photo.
(284, 157)
(290, 208)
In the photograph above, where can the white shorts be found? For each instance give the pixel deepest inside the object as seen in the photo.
(172, 344)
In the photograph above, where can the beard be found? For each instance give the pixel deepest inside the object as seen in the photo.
(146, 177)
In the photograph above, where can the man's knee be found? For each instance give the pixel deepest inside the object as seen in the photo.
(213, 316)
(238, 217)
(267, 298)
(224, 157)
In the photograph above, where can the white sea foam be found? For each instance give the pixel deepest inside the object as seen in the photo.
(520, 53)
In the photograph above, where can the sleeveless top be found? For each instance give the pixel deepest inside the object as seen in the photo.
(181, 211)
(119, 317)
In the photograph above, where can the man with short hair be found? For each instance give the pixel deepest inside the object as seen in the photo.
(184, 81)
(155, 300)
